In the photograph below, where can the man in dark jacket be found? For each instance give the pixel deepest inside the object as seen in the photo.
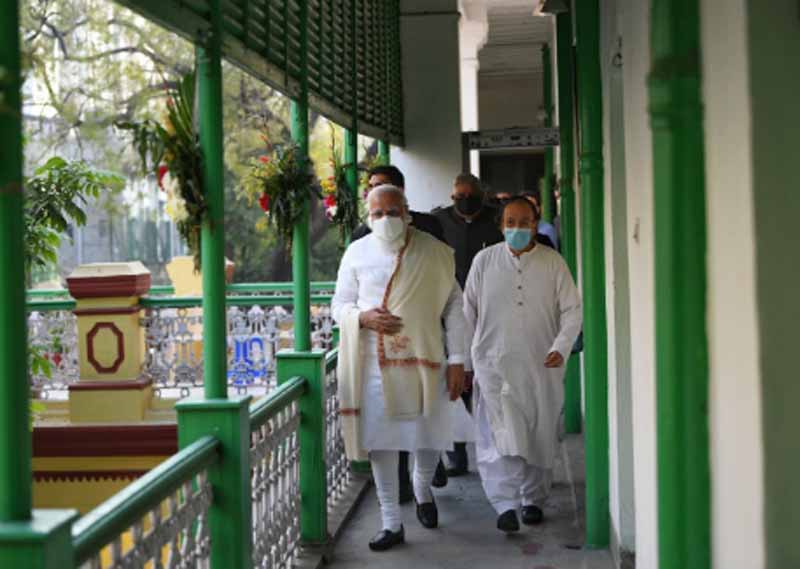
(392, 175)
(469, 225)
(426, 222)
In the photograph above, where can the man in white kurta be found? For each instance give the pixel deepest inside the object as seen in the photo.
(523, 315)
(367, 280)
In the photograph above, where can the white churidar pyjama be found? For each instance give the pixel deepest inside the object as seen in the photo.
(384, 470)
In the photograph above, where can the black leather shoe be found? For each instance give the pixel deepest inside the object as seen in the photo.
(440, 476)
(532, 515)
(428, 514)
(508, 521)
(386, 539)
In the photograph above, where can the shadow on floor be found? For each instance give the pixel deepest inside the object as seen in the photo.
(467, 537)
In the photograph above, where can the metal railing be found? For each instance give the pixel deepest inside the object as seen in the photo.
(275, 476)
(260, 322)
(160, 519)
(337, 465)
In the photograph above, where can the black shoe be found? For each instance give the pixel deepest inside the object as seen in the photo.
(428, 514)
(508, 521)
(406, 494)
(440, 476)
(532, 515)
(386, 539)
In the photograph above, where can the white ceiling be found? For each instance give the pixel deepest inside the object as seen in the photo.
(515, 38)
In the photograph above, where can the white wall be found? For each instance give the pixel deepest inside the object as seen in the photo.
(735, 388)
(431, 158)
(634, 28)
(621, 492)
(507, 101)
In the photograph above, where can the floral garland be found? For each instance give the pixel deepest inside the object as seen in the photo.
(173, 148)
(282, 182)
(341, 204)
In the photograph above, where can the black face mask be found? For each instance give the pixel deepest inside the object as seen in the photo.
(469, 205)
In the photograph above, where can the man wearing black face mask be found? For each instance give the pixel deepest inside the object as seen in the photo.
(469, 225)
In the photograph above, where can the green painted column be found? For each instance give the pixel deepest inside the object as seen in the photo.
(384, 152)
(230, 516)
(569, 244)
(680, 291)
(28, 540)
(547, 181)
(15, 437)
(301, 247)
(212, 246)
(351, 160)
(313, 472)
(590, 110)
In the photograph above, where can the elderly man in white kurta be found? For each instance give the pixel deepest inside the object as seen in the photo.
(395, 289)
(523, 315)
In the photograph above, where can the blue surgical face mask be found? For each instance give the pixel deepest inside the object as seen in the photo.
(517, 237)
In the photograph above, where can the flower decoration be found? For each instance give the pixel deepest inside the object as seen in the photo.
(341, 204)
(280, 179)
(172, 146)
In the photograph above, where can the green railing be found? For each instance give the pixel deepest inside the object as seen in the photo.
(172, 499)
(247, 489)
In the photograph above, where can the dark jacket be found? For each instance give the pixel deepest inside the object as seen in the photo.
(422, 221)
(468, 238)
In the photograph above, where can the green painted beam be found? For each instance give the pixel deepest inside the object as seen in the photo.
(351, 161)
(209, 91)
(569, 242)
(313, 472)
(676, 113)
(15, 436)
(547, 180)
(590, 107)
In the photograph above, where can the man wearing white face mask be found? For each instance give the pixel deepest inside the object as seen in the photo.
(394, 289)
(523, 314)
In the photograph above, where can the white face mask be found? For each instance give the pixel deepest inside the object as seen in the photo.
(388, 229)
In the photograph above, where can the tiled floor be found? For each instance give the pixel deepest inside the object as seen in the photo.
(467, 537)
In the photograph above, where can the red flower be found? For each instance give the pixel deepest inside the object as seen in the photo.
(264, 159)
(263, 201)
(162, 171)
(330, 200)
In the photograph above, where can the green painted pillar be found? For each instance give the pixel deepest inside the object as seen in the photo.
(680, 276)
(212, 244)
(301, 248)
(547, 181)
(590, 107)
(28, 540)
(15, 436)
(384, 152)
(230, 520)
(351, 161)
(313, 472)
(569, 244)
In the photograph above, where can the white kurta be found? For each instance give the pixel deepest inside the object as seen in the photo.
(519, 309)
(364, 272)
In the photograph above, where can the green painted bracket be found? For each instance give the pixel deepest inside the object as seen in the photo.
(230, 516)
(313, 479)
(43, 542)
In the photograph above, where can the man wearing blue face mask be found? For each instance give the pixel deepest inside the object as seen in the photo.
(523, 314)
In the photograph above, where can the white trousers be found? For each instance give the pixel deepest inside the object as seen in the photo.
(510, 481)
(384, 470)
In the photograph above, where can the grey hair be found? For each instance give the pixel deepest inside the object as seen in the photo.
(378, 191)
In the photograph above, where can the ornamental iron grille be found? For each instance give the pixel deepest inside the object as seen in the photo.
(337, 465)
(275, 489)
(173, 535)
